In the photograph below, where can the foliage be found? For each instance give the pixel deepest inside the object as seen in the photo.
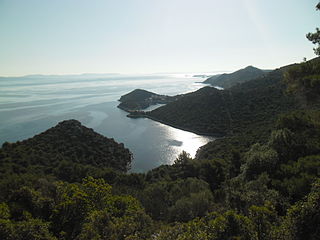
(244, 113)
(183, 158)
(69, 151)
(264, 219)
(229, 225)
(27, 229)
(4, 211)
(228, 80)
(303, 218)
(259, 182)
(180, 200)
(78, 207)
(259, 159)
(315, 37)
(140, 99)
(304, 80)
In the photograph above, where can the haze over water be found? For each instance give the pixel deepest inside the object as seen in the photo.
(32, 104)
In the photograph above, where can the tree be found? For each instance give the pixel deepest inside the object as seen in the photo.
(190, 207)
(259, 159)
(213, 172)
(91, 211)
(32, 228)
(304, 79)
(315, 37)
(182, 159)
(303, 218)
(263, 219)
(284, 142)
(4, 211)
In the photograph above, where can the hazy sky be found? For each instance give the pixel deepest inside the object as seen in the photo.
(145, 36)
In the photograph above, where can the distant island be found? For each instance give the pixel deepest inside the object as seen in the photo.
(201, 76)
(140, 99)
(228, 80)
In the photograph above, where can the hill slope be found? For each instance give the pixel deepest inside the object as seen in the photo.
(269, 191)
(238, 109)
(67, 145)
(139, 99)
(228, 80)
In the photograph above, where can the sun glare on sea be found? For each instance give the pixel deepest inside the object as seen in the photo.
(185, 141)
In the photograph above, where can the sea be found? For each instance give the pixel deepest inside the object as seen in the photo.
(30, 105)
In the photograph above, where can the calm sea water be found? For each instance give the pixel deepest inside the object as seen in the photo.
(30, 105)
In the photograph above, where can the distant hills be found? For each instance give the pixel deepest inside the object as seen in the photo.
(66, 76)
(228, 80)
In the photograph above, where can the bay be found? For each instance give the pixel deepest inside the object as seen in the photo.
(32, 104)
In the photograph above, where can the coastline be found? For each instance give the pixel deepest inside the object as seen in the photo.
(144, 115)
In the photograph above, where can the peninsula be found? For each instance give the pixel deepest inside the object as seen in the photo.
(140, 99)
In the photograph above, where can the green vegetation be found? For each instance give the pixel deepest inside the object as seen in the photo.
(315, 37)
(269, 190)
(228, 80)
(140, 99)
(250, 108)
(68, 151)
(304, 80)
(61, 210)
(260, 182)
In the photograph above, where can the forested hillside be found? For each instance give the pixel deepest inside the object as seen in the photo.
(249, 107)
(139, 99)
(228, 80)
(260, 182)
(69, 151)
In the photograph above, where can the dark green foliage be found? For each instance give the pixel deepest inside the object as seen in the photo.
(249, 108)
(260, 182)
(303, 80)
(212, 171)
(137, 95)
(315, 37)
(34, 229)
(182, 159)
(297, 142)
(264, 219)
(228, 80)
(303, 218)
(140, 99)
(180, 200)
(259, 159)
(187, 208)
(229, 225)
(241, 195)
(286, 144)
(72, 211)
(69, 151)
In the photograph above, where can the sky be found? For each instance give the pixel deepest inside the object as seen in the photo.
(152, 36)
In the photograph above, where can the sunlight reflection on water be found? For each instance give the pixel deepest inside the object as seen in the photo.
(180, 140)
